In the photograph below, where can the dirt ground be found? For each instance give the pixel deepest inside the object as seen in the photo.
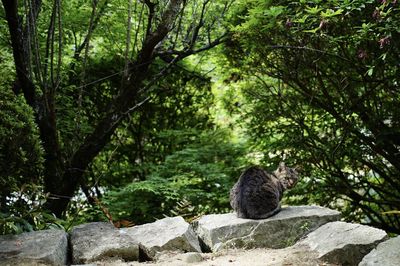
(295, 256)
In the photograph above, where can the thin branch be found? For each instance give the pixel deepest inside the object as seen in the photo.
(135, 42)
(200, 24)
(60, 34)
(48, 59)
(88, 37)
(166, 55)
(151, 7)
(96, 20)
(307, 49)
(128, 37)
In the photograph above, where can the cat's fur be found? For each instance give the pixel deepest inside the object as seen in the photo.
(257, 193)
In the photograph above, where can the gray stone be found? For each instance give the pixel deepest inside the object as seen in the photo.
(176, 257)
(343, 243)
(96, 241)
(46, 247)
(221, 231)
(386, 253)
(191, 257)
(172, 233)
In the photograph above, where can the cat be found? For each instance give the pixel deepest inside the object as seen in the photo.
(257, 193)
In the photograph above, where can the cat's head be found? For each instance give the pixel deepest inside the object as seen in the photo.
(288, 176)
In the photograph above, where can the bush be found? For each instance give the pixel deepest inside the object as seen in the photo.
(21, 162)
(192, 181)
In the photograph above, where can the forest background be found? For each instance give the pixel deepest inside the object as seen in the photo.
(134, 110)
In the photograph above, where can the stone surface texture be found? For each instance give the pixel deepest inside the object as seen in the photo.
(235, 257)
(221, 231)
(386, 253)
(172, 233)
(96, 241)
(46, 247)
(302, 235)
(343, 243)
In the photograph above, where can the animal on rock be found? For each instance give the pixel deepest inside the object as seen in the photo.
(257, 193)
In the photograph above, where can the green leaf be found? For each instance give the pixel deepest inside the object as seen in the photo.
(391, 212)
(313, 10)
(302, 19)
(370, 71)
(274, 11)
(330, 13)
(313, 30)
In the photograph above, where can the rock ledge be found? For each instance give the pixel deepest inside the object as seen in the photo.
(298, 235)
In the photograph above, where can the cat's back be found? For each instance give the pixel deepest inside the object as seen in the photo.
(253, 177)
(256, 194)
(250, 179)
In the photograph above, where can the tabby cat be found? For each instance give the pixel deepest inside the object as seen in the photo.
(257, 193)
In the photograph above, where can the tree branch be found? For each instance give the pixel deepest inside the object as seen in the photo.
(153, 38)
(167, 56)
(117, 109)
(17, 41)
(92, 27)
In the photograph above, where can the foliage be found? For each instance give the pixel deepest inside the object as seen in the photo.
(192, 181)
(325, 75)
(107, 97)
(21, 165)
(86, 67)
(160, 127)
(21, 155)
(25, 212)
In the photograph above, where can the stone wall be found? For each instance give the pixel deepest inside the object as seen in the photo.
(305, 229)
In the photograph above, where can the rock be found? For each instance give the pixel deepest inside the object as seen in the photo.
(386, 253)
(99, 241)
(174, 257)
(96, 241)
(168, 234)
(289, 256)
(46, 247)
(221, 231)
(343, 243)
(191, 257)
(172, 241)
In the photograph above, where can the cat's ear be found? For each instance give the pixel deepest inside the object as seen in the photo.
(298, 168)
(282, 166)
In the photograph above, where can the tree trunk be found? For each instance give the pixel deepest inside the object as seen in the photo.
(43, 107)
(62, 176)
(116, 111)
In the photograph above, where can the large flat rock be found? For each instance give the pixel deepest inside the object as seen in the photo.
(386, 253)
(97, 241)
(102, 241)
(47, 247)
(221, 231)
(234, 257)
(343, 243)
(168, 234)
